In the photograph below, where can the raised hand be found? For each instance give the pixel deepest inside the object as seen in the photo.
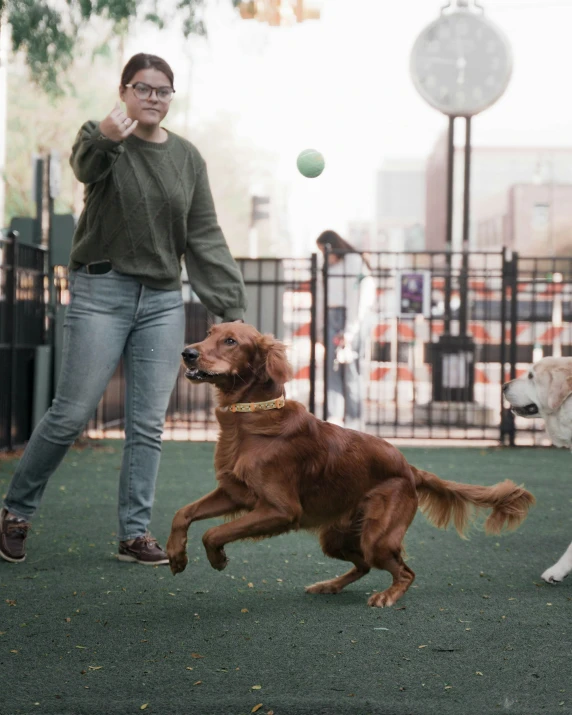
(117, 125)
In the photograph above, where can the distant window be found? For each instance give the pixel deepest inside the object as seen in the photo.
(540, 216)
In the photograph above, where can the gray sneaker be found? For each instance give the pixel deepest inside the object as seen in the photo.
(143, 550)
(13, 534)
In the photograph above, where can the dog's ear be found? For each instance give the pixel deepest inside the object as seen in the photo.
(275, 362)
(559, 389)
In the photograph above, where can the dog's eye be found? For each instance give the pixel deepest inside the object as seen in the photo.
(230, 341)
(530, 376)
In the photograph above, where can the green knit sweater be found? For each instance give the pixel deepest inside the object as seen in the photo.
(146, 206)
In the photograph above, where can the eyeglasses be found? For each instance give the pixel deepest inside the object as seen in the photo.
(144, 91)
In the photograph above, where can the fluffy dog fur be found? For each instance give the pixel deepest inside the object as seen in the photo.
(544, 392)
(284, 469)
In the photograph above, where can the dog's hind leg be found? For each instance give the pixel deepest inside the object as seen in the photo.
(388, 511)
(344, 544)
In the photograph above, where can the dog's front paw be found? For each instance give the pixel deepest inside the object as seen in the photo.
(555, 574)
(178, 562)
(217, 558)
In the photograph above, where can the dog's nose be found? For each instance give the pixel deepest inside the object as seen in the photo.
(505, 387)
(190, 354)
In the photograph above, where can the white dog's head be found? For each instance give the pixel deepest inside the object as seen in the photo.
(543, 390)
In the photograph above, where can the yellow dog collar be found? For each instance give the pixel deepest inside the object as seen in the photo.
(276, 404)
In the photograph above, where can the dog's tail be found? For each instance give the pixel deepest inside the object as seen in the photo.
(442, 501)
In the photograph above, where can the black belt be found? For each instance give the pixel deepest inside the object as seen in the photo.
(97, 268)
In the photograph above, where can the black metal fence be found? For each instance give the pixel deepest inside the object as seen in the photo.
(23, 336)
(446, 331)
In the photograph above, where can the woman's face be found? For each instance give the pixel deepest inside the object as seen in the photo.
(151, 111)
(333, 258)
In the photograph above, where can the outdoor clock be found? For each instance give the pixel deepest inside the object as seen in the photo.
(461, 63)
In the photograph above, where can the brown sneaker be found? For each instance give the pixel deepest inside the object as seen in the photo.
(13, 533)
(143, 550)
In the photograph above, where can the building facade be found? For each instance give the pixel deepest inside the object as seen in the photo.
(494, 173)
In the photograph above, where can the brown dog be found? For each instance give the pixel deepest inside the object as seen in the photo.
(279, 468)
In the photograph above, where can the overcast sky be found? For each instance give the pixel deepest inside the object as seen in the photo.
(341, 85)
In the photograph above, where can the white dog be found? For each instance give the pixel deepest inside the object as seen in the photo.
(544, 392)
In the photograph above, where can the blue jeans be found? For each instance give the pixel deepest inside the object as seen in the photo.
(109, 316)
(344, 381)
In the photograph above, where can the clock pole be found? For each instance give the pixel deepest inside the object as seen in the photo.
(461, 64)
(463, 281)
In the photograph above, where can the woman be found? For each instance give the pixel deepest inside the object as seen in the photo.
(351, 294)
(147, 204)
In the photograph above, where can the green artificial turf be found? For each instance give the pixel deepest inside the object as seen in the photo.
(478, 632)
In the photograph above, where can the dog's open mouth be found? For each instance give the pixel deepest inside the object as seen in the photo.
(526, 411)
(194, 373)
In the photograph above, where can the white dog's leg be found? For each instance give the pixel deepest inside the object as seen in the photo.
(561, 568)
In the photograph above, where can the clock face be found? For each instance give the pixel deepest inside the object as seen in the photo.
(461, 63)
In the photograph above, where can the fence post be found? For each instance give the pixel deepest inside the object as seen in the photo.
(509, 287)
(513, 333)
(313, 330)
(327, 251)
(11, 295)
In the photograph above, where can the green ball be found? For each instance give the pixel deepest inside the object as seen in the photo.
(310, 163)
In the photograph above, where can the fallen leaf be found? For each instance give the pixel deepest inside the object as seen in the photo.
(250, 585)
(10, 602)
(198, 682)
(256, 708)
(144, 706)
(244, 610)
(422, 646)
(189, 667)
(448, 687)
(256, 687)
(83, 647)
(95, 667)
(197, 655)
(478, 672)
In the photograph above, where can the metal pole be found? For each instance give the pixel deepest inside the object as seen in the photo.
(313, 316)
(513, 325)
(463, 284)
(505, 415)
(449, 222)
(326, 330)
(12, 294)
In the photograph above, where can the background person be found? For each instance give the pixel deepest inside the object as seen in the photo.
(147, 204)
(351, 296)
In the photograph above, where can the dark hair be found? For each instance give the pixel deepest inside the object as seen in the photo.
(339, 245)
(143, 61)
(335, 241)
